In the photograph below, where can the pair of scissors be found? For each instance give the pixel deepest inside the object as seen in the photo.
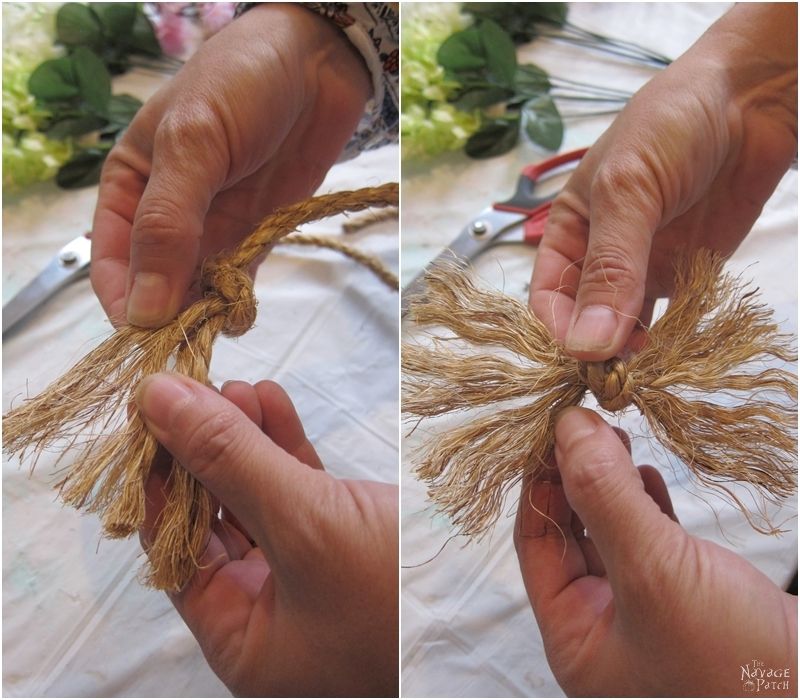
(527, 206)
(69, 264)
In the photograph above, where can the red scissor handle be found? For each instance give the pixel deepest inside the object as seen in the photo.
(525, 200)
(533, 227)
(535, 171)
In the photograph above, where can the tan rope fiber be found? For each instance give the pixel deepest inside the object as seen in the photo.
(383, 273)
(714, 339)
(91, 408)
(370, 218)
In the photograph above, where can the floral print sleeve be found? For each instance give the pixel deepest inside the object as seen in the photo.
(372, 27)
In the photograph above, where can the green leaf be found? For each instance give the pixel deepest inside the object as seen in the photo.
(462, 51)
(117, 17)
(78, 25)
(493, 139)
(75, 126)
(501, 56)
(530, 80)
(54, 80)
(481, 97)
(543, 123)
(93, 79)
(519, 18)
(553, 12)
(82, 170)
(143, 37)
(122, 109)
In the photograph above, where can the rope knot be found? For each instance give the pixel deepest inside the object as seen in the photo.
(609, 381)
(235, 287)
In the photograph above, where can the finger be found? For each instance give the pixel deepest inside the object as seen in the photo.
(236, 543)
(228, 517)
(640, 336)
(625, 210)
(624, 438)
(270, 407)
(282, 424)
(243, 395)
(121, 187)
(646, 314)
(552, 551)
(547, 549)
(222, 595)
(606, 491)
(266, 488)
(657, 490)
(594, 562)
(168, 226)
(557, 270)
(156, 491)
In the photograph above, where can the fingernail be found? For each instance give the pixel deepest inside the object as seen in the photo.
(593, 330)
(157, 397)
(149, 300)
(574, 424)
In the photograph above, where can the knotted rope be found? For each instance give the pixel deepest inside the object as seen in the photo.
(92, 406)
(714, 339)
(609, 381)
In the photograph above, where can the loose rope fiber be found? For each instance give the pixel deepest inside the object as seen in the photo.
(715, 338)
(92, 408)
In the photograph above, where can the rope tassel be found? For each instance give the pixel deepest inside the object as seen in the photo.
(714, 337)
(92, 406)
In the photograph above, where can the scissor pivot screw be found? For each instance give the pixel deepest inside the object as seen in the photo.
(478, 228)
(68, 257)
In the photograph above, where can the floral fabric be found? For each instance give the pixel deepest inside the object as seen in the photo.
(373, 29)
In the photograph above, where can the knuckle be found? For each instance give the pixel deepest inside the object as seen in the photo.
(212, 442)
(183, 128)
(593, 470)
(627, 180)
(608, 265)
(158, 229)
(569, 211)
(618, 175)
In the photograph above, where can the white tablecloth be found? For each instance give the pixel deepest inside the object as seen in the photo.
(76, 621)
(467, 628)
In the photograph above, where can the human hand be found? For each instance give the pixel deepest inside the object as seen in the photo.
(635, 605)
(297, 590)
(688, 163)
(252, 122)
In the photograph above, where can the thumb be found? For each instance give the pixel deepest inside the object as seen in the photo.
(256, 480)
(623, 217)
(168, 225)
(607, 493)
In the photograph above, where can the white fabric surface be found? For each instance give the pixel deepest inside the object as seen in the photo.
(76, 621)
(467, 627)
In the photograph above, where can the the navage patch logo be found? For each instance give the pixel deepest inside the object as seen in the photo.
(758, 678)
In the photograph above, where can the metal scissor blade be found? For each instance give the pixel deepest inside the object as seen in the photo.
(465, 248)
(71, 262)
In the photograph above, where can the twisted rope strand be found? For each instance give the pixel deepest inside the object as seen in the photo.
(92, 406)
(371, 262)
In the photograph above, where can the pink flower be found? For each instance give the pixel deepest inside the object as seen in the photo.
(173, 30)
(215, 15)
